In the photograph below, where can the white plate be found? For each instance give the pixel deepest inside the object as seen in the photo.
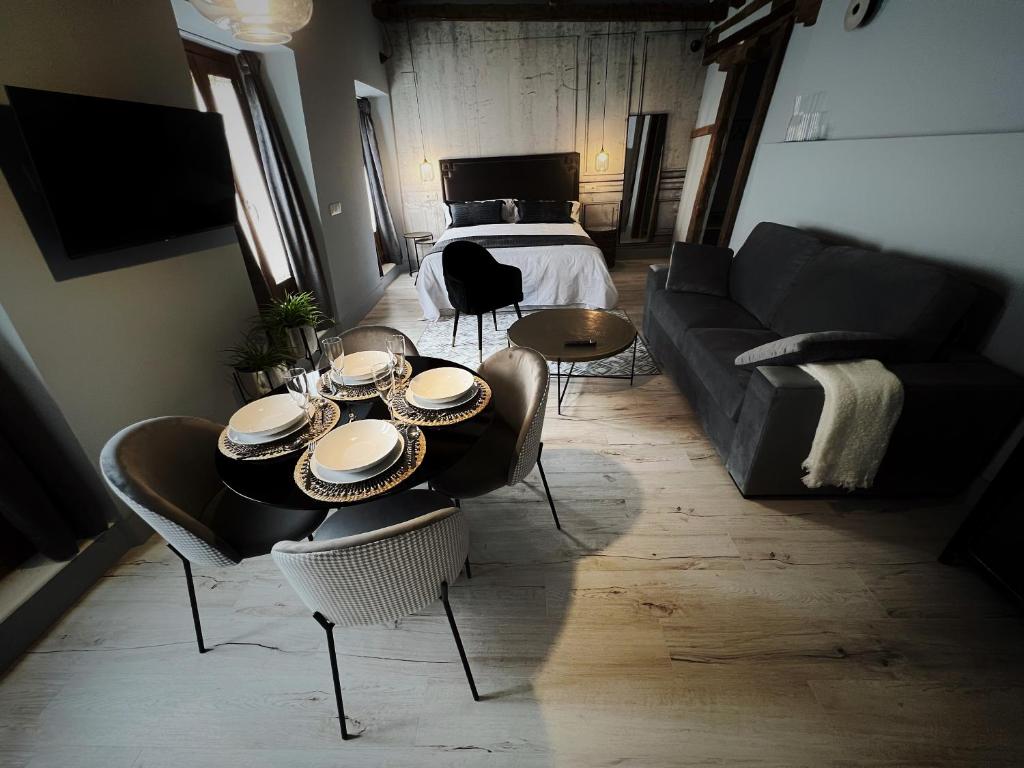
(441, 385)
(359, 365)
(357, 446)
(243, 439)
(351, 381)
(267, 415)
(412, 400)
(329, 476)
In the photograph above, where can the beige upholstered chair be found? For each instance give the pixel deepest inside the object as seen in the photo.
(164, 470)
(512, 445)
(378, 576)
(364, 337)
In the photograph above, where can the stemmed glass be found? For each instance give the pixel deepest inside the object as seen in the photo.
(297, 384)
(395, 347)
(334, 351)
(384, 382)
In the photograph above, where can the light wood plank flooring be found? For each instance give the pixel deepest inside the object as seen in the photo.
(671, 623)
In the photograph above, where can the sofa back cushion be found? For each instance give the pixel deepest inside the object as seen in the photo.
(852, 289)
(766, 266)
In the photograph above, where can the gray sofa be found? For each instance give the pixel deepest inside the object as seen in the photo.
(958, 407)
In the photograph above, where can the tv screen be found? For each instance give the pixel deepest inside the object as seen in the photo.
(117, 174)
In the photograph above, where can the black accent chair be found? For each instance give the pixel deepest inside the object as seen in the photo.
(478, 284)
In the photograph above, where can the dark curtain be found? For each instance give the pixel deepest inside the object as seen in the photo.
(386, 232)
(303, 255)
(51, 494)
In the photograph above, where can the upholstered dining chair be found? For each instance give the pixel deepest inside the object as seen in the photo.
(477, 284)
(379, 576)
(511, 446)
(164, 470)
(371, 337)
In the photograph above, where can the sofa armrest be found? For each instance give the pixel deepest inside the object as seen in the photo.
(955, 417)
(656, 277)
(697, 268)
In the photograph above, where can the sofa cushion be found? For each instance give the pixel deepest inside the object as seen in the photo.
(696, 268)
(860, 290)
(679, 312)
(821, 347)
(766, 267)
(711, 353)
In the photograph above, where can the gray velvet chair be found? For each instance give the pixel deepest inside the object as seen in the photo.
(164, 470)
(367, 337)
(511, 447)
(379, 576)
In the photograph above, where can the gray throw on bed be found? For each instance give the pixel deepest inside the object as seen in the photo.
(516, 241)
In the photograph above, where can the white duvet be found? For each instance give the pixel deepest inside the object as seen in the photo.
(553, 275)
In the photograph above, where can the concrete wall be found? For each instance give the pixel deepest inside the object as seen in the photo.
(487, 88)
(141, 341)
(925, 148)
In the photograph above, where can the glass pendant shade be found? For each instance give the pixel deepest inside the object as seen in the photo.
(601, 161)
(264, 22)
(426, 171)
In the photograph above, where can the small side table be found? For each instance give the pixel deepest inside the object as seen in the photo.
(411, 251)
(607, 239)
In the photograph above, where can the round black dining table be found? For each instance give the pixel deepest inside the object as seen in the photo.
(271, 481)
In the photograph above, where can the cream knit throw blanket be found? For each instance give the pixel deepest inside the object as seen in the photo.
(863, 401)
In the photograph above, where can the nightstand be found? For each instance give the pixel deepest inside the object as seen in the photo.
(605, 238)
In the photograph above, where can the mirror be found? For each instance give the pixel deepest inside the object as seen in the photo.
(645, 144)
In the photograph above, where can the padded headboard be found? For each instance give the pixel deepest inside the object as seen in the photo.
(555, 176)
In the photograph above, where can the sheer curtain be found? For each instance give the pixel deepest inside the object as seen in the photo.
(386, 232)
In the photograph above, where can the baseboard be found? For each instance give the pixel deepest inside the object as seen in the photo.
(62, 584)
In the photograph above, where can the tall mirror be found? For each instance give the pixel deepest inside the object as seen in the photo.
(645, 144)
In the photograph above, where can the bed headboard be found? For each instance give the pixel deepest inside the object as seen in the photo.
(554, 176)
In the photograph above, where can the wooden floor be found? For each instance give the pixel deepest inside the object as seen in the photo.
(671, 623)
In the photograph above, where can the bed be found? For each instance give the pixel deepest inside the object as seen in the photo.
(561, 266)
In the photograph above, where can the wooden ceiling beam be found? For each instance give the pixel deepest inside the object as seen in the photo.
(713, 10)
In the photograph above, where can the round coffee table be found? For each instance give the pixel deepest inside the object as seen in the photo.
(551, 331)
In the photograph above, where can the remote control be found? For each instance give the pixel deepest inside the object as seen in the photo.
(581, 343)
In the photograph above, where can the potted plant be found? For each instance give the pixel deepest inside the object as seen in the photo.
(293, 320)
(260, 364)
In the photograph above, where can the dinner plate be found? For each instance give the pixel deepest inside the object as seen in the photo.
(441, 385)
(243, 439)
(332, 476)
(462, 399)
(359, 366)
(267, 415)
(351, 381)
(357, 446)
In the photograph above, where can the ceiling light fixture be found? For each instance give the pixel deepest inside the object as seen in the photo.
(602, 160)
(263, 22)
(426, 169)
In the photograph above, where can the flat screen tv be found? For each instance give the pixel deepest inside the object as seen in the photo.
(117, 174)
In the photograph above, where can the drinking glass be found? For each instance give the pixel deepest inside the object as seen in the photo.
(395, 346)
(384, 381)
(298, 387)
(334, 350)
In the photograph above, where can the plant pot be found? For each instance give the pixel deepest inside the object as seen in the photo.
(293, 338)
(257, 384)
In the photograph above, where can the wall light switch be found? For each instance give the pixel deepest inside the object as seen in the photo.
(335, 208)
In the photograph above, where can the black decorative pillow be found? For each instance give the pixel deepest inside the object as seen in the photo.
(544, 212)
(474, 214)
(696, 268)
(821, 347)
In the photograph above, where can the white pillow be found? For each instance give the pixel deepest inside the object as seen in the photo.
(508, 210)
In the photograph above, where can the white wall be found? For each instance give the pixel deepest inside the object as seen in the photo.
(510, 88)
(135, 342)
(925, 149)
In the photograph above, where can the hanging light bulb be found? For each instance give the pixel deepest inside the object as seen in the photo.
(601, 161)
(426, 170)
(264, 22)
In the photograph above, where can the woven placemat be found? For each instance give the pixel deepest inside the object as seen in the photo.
(425, 417)
(347, 493)
(346, 393)
(324, 420)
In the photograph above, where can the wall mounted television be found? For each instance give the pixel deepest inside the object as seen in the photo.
(115, 174)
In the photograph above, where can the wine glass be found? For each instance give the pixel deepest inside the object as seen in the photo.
(298, 387)
(384, 381)
(395, 346)
(334, 351)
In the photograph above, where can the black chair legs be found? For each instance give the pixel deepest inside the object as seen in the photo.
(547, 490)
(480, 335)
(329, 629)
(458, 640)
(494, 317)
(518, 313)
(455, 331)
(469, 573)
(192, 599)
